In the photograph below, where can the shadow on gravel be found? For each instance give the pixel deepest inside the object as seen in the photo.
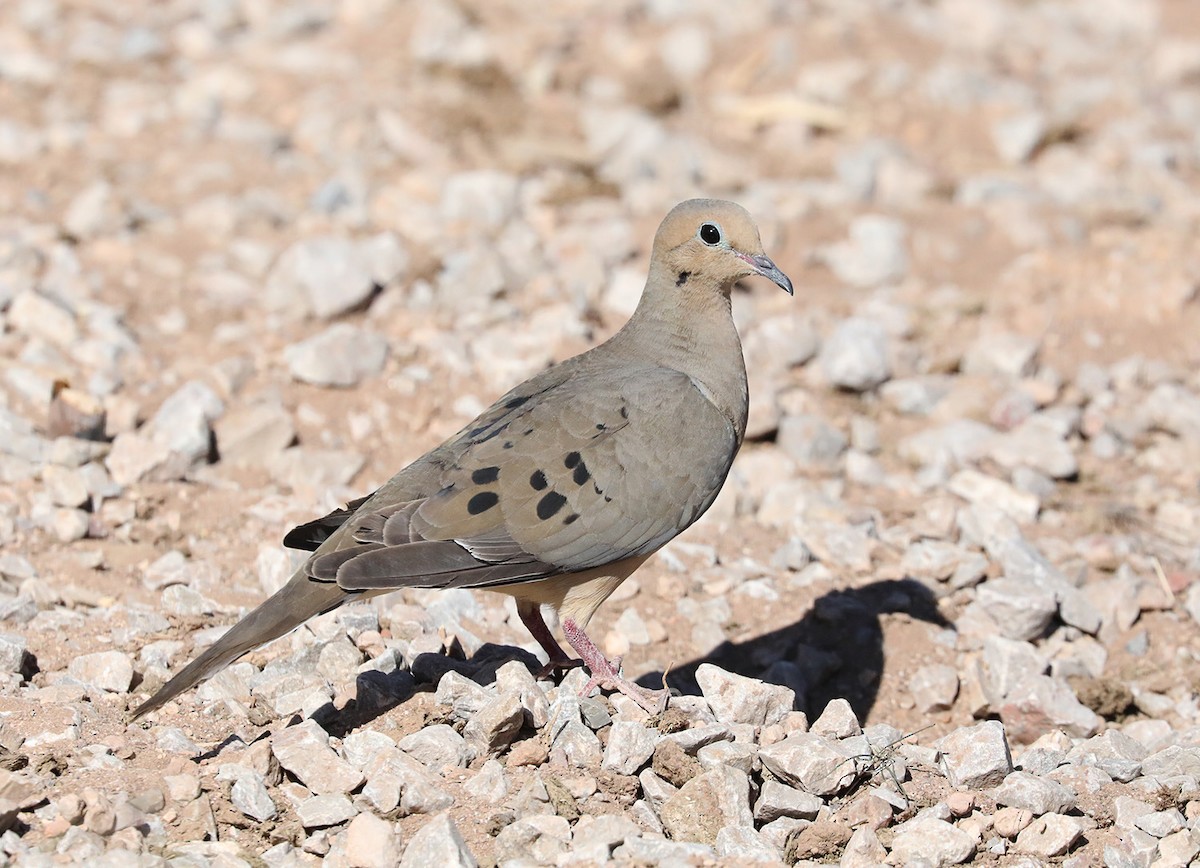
(835, 650)
(376, 693)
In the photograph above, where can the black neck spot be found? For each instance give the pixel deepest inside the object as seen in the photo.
(683, 278)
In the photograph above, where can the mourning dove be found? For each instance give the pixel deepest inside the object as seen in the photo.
(564, 486)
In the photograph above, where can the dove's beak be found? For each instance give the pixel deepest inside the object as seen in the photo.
(763, 265)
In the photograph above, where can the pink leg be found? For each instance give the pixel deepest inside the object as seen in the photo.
(607, 675)
(531, 617)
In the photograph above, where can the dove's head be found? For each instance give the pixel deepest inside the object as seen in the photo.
(710, 243)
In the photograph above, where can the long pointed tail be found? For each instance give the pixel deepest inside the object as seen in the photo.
(292, 605)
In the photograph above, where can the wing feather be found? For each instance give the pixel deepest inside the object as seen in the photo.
(567, 475)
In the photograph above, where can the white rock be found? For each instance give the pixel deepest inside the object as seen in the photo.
(1007, 354)
(13, 652)
(394, 779)
(183, 422)
(630, 746)
(737, 699)
(738, 755)
(876, 252)
(437, 746)
(249, 792)
(483, 201)
(837, 720)
(1005, 663)
(497, 722)
(1038, 443)
(1160, 824)
(65, 486)
(863, 850)
(1016, 138)
(811, 440)
(1035, 794)
(744, 846)
(777, 800)
(1039, 703)
(975, 487)
(34, 314)
(1021, 609)
(342, 355)
(93, 212)
(1049, 835)
(540, 838)
(490, 783)
(934, 687)
(976, 757)
(1178, 849)
(657, 851)
(855, 356)
(317, 812)
(182, 788)
(930, 841)
(305, 752)
(439, 843)
(108, 670)
(250, 435)
(815, 764)
(322, 276)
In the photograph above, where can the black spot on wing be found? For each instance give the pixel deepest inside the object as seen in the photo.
(513, 403)
(572, 459)
(484, 475)
(571, 519)
(549, 505)
(581, 474)
(484, 433)
(537, 480)
(482, 502)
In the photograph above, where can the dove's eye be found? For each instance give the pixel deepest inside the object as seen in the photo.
(710, 234)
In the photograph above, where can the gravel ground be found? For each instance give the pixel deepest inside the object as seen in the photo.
(255, 255)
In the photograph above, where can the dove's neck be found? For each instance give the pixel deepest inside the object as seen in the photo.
(692, 331)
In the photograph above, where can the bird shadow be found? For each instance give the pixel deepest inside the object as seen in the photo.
(835, 651)
(377, 693)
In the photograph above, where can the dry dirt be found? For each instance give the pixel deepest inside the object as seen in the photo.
(1095, 282)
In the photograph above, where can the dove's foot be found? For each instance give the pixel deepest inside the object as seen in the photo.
(606, 674)
(531, 617)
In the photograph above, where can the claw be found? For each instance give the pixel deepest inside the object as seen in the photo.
(653, 701)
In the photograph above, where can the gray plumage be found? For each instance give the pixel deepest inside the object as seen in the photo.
(566, 484)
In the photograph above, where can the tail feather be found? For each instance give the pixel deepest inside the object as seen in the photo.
(292, 605)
